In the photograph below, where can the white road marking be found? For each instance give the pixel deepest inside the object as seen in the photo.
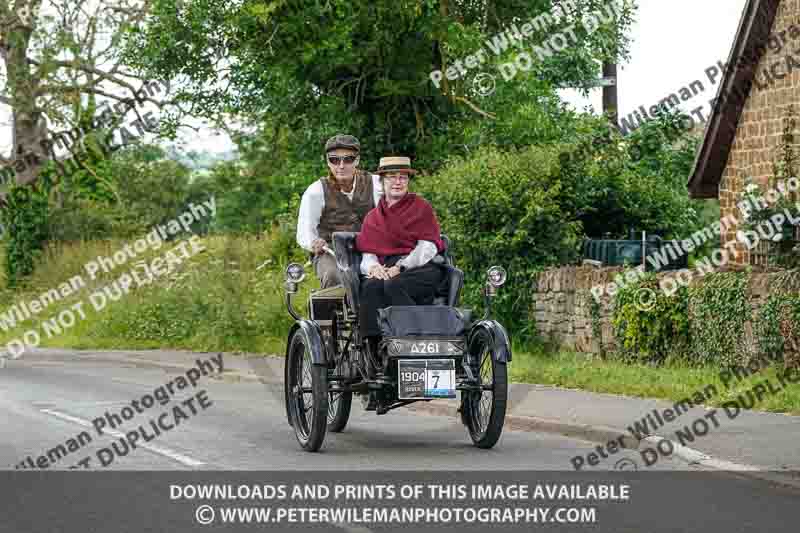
(47, 405)
(160, 450)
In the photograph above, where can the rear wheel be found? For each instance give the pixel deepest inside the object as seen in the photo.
(483, 412)
(339, 404)
(307, 394)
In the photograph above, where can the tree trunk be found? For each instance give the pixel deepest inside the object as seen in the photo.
(29, 151)
(30, 154)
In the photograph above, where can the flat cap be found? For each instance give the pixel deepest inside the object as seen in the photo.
(342, 141)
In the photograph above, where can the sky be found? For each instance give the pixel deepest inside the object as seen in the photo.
(673, 43)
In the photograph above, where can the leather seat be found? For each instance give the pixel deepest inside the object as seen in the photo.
(450, 292)
(348, 260)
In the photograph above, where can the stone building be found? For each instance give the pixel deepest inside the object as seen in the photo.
(757, 95)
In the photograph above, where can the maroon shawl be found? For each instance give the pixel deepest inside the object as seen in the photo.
(395, 230)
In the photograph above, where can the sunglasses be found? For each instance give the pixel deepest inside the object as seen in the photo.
(348, 159)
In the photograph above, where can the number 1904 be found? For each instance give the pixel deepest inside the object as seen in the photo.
(412, 376)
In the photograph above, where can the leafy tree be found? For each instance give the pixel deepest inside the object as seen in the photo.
(152, 189)
(56, 59)
(149, 189)
(303, 71)
(322, 66)
(63, 80)
(253, 190)
(618, 184)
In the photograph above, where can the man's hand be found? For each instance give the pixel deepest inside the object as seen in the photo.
(378, 272)
(317, 246)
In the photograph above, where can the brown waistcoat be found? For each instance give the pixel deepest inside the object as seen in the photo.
(341, 214)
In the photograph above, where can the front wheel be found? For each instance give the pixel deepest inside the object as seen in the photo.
(483, 412)
(307, 394)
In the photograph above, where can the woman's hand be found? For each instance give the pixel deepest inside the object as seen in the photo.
(378, 272)
(392, 272)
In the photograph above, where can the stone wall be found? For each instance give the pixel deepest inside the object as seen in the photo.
(563, 306)
(760, 127)
(562, 303)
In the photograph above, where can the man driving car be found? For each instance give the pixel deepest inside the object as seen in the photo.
(336, 202)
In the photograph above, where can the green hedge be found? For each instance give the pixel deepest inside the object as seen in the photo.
(504, 208)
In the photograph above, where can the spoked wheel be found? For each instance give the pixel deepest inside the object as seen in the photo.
(307, 392)
(484, 412)
(339, 404)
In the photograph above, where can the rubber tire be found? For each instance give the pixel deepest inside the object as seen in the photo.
(319, 390)
(339, 421)
(488, 438)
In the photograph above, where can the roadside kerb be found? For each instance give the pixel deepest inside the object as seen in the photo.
(696, 457)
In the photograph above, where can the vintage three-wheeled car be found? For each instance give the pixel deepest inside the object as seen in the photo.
(427, 352)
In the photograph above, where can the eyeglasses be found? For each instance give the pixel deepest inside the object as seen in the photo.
(398, 177)
(348, 159)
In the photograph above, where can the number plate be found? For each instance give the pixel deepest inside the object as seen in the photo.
(427, 347)
(426, 378)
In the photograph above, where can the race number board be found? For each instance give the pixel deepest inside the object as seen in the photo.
(426, 378)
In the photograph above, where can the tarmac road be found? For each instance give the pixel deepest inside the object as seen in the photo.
(240, 427)
(44, 402)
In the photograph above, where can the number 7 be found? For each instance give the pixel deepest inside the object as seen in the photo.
(435, 382)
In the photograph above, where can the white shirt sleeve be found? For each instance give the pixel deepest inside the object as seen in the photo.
(423, 252)
(310, 211)
(368, 261)
(377, 189)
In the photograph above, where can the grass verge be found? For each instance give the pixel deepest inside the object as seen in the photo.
(669, 382)
(216, 300)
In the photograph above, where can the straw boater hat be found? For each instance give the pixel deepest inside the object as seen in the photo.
(395, 164)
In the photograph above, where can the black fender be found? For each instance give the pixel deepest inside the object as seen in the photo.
(501, 346)
(313, 338)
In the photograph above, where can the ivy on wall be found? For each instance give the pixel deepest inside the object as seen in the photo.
(713, 322)
(25, 219)
(719, 310)
(777, 324)
(650, 326)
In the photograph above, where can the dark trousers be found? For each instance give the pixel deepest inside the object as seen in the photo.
(412, 287)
